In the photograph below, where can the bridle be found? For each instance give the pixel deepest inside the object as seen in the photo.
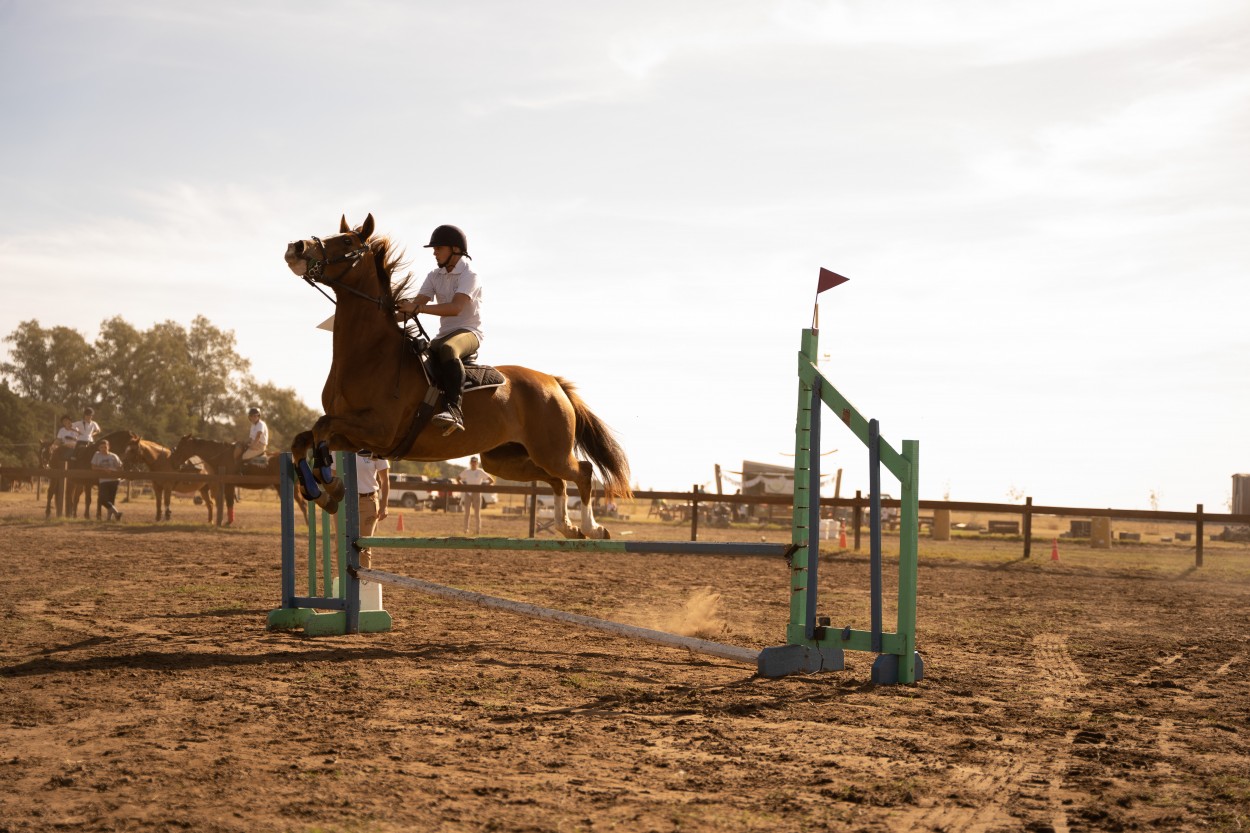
(315, 273)
(314, 276)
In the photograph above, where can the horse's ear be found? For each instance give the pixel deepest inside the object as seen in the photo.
(366, 228)
(343, 227)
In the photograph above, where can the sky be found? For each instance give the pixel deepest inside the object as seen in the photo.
(1042, 209)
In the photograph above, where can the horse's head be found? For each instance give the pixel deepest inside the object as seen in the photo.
(46, 448)
(182, 450)
(330, 261)
(133, 454)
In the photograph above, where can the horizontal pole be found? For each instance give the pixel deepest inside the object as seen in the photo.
(580, 545)
(701, 646)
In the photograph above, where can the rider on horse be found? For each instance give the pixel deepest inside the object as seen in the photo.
(257, 440)
(455, 287)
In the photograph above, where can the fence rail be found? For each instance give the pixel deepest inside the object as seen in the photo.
(696, 502)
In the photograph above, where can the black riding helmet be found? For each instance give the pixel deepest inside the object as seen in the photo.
(449, 236)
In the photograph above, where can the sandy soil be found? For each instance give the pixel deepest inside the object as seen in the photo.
(139, 690)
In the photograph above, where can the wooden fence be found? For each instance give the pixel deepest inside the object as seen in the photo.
(698, 504)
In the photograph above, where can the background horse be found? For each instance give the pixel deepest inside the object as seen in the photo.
(529, 428)
(218, 458)
(157, 458)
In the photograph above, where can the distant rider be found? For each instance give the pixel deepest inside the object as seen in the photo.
(86, 427)
(66, 440)
(257, 439)
(455, 287)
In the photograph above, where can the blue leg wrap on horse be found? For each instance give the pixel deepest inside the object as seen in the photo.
(307, 483)
(324, 461)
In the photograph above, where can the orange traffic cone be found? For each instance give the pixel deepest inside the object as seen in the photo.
(399, 527)
(1054, 550)
(842, 536)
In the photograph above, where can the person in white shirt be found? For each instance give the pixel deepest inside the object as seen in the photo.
(373, 482)
(257, 438)
(66, 442)
(86, 427)
(459, 303)
(473, 476)
(67, 434)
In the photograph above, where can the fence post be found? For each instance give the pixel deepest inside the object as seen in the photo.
(694, 512)
(1028, 527)
(1200, 535)
(859, 516)
(533, 502)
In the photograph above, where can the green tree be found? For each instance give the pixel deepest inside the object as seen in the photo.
(161, 383)
(22, 423)
(50, 365)
(219, 375)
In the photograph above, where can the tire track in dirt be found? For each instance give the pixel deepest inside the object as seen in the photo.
(1023, 772)
(1166, 730)
(88, 624)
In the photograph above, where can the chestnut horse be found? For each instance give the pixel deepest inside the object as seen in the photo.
(157, 458)
(529, 428)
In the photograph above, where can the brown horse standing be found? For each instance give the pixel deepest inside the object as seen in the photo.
(218, 458)
(157, 458)
(530, 428)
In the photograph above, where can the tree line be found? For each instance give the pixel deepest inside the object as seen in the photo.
(161, 383)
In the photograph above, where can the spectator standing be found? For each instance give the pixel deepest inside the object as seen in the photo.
(87, 427)
(473, 476)
(106, 461)
(373, 482)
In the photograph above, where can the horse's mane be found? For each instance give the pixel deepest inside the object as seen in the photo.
(388, 257)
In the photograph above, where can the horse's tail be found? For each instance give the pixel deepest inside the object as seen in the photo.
(595, 440)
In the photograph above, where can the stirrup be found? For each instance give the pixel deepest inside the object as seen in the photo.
(449, 417)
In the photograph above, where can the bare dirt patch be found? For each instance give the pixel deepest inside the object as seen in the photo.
(139, 690)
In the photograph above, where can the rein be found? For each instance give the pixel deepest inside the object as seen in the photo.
(315, 276)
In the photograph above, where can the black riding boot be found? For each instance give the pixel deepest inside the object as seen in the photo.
(451, 378)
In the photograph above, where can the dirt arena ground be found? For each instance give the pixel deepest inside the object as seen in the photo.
(139, 690)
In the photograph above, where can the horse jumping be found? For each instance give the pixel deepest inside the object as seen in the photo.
(529, 428)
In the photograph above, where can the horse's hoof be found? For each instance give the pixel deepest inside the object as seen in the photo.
(336, 489)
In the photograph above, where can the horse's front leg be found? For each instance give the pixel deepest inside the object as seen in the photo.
(310, 478)
(338, 433)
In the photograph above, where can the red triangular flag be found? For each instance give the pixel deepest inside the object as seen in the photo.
(828, 280)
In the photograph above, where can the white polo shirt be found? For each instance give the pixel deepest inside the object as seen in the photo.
(474, 477)
(443, 286)
(367, 469)
(258, 435)
(87, 429)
